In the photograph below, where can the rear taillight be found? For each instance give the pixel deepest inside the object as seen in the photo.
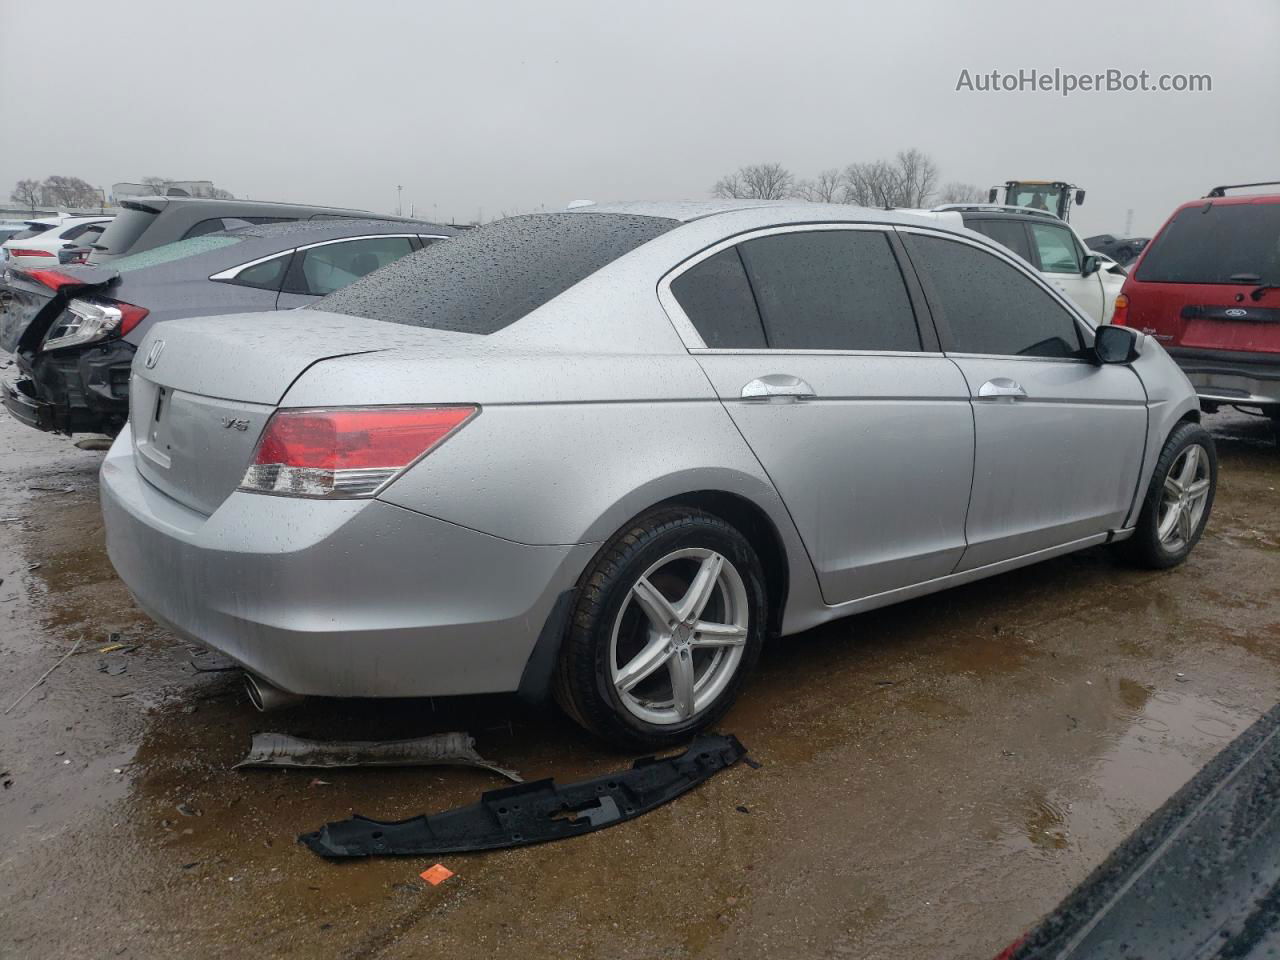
(21, 252)
(1121, 313)
(87, 321)
(346, 452)
(53, 279)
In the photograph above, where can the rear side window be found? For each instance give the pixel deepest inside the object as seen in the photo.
(1217, 243)
(988, 306)
(489, 278)
(830, 290)
(124, 230)
(1056, 248)
(324, 269)
(267, 275)
(1010, 234)
(717, 299)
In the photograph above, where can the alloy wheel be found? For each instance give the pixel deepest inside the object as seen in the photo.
(1186, 491)
(679, 637)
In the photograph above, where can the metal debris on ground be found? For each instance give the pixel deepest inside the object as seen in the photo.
(534, 812)
(45, 675)
(94, 443)
(440, 749)
(436, 874)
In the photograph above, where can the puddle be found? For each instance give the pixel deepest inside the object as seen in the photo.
(1150, 743)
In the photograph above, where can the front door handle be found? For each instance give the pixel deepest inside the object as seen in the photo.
(777, 387)
(1001, 388)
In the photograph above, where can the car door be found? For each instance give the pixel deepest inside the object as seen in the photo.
(810, 337)
(319, 269)
(1058, 439)
(1061, 260)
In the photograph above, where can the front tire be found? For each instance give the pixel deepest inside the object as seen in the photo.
(1178, 501)
(668, 621)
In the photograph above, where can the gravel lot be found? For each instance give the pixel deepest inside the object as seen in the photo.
(935, 775)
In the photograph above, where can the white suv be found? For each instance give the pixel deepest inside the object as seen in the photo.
(39, 243)
(1091, 280)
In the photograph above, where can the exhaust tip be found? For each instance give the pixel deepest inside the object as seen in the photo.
(265, 696)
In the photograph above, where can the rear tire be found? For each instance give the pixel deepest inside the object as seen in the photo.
(668, 621)
(1179, 499)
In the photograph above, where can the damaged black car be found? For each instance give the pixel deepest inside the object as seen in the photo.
(73, 329)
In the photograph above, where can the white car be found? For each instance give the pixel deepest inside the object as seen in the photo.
(39, 243)
(1050, 245)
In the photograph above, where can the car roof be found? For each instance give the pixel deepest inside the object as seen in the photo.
(687, 211)
(1232, 200)
(338, 227)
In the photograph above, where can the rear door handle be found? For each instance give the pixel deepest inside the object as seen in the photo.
(777, 387)
(1001, 388)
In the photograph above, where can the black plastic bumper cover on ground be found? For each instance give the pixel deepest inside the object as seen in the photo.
(534, 812)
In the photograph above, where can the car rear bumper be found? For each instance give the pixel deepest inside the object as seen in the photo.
(24, 406)
(73, 391)
(346, 598)
(1223, 376)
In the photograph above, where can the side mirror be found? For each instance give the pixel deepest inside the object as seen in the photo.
(1079, 198)
(992, 193)
(1113, 344)
(1091, 265)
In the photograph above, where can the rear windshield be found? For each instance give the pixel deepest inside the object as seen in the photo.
(1217, 243)
(124, 231)
(487, 279)
(172, 251)
(33, 230)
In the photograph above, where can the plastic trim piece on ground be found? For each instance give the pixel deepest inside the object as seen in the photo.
(440, 749)
(534, 812)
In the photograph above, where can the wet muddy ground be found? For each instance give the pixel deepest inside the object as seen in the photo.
(934, 776)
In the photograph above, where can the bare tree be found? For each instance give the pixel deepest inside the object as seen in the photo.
(873, 184)
(917, 178)
(827, 187)
(27, 193)
(758, 181)
(61, 191)
(957, 192)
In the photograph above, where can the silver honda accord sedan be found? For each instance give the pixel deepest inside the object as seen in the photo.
(603, 454)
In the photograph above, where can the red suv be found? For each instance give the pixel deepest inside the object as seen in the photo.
(1208, 288)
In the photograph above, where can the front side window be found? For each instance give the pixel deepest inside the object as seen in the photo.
(322, 270)
(830, 290)
(1056, 247)
(988, 306)
(716, 297)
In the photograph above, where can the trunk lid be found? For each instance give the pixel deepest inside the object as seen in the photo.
(202, 391)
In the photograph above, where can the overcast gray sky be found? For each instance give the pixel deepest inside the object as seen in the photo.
(505, 107)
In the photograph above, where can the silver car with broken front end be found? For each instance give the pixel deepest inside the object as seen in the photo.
(603, 454)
